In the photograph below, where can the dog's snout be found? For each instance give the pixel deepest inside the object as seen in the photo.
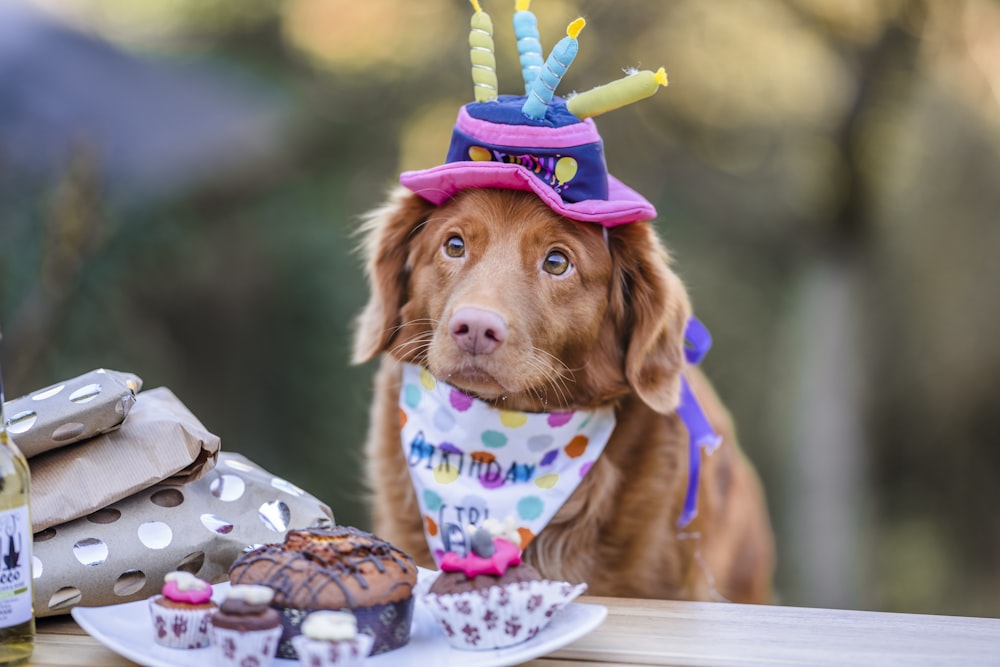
(477, 331)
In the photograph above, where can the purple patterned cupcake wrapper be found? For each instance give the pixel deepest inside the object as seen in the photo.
(500, 615)
(319, 653)
(387, 624)
(179, 628)
(235, 648)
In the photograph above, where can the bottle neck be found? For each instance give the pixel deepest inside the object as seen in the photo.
(4, 437)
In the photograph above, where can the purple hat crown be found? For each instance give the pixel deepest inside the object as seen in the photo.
(537, 141)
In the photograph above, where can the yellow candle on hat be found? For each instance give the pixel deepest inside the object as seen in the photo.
(484, 64)
(631, 88)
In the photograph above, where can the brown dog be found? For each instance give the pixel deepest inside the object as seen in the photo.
(500, 297)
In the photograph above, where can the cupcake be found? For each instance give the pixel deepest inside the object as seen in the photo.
(331, 638)
(489, 599)
(180, 614)
(245, 630)
(332, 569)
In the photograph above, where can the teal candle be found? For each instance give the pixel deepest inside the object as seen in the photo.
(544, 86)
(529, 45)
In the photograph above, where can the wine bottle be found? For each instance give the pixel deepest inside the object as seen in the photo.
(17, 619)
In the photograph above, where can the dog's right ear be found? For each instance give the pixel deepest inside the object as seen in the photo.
(385, 239)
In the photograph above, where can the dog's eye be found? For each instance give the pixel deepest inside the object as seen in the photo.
(556, 263)
(454, 246)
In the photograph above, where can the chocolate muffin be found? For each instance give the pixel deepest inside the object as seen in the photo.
(245, 630)
(497, 563)
(488, 598)
(331, 569)
(243, 612)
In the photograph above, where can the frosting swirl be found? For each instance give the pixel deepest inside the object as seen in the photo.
(330, 626)
(505, 555)
(182, 586)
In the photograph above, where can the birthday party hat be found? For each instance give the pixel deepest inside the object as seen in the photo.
(538, 141)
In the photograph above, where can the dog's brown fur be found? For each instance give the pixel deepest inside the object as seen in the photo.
(609, 330)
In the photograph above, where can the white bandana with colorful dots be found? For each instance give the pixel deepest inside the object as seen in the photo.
(470, 461)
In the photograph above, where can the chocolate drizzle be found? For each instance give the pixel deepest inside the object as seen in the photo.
(329, 568)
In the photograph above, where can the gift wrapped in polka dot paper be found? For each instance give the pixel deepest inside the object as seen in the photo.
(128, 486)
(159, 440)
(121, 553)
(72, 410)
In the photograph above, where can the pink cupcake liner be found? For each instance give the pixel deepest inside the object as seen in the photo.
(320, 653)
(234, 648)
(179, 628)
(500, 615)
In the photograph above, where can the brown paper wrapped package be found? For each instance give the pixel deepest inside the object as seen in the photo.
(71, 411)
(122, 552)
(161, 439)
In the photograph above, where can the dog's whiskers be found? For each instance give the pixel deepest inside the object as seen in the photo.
(416, 229)
(555, 377)
(430, 322)
(550, 389)
(414, 349)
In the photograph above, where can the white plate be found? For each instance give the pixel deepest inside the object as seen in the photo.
(126, 630)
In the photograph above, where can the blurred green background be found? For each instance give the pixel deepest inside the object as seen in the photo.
(180, 181)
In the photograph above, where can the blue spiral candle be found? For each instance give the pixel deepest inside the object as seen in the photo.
(544, 85)
(529, 46)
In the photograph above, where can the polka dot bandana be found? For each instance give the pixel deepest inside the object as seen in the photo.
(470, 461)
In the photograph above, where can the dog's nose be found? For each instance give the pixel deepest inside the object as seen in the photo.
(477, 331)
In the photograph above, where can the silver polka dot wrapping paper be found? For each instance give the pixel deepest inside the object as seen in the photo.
(71, 411)
(121, 553)
(128, 485)
(161, 439)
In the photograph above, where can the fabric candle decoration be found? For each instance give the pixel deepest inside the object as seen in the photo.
(536, 142)
(529, 45)
(559, 60)
(631, 88)
(484, 64)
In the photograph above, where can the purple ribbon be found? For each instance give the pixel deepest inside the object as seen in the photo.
(697, 342)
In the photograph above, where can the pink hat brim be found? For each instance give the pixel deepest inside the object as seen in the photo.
(439, 184)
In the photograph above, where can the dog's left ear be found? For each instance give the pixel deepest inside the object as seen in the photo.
(652, 308)
(386, 234)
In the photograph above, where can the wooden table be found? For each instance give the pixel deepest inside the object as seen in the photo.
(646, 632)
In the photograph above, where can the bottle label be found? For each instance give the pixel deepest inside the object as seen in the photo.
(15, 567)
